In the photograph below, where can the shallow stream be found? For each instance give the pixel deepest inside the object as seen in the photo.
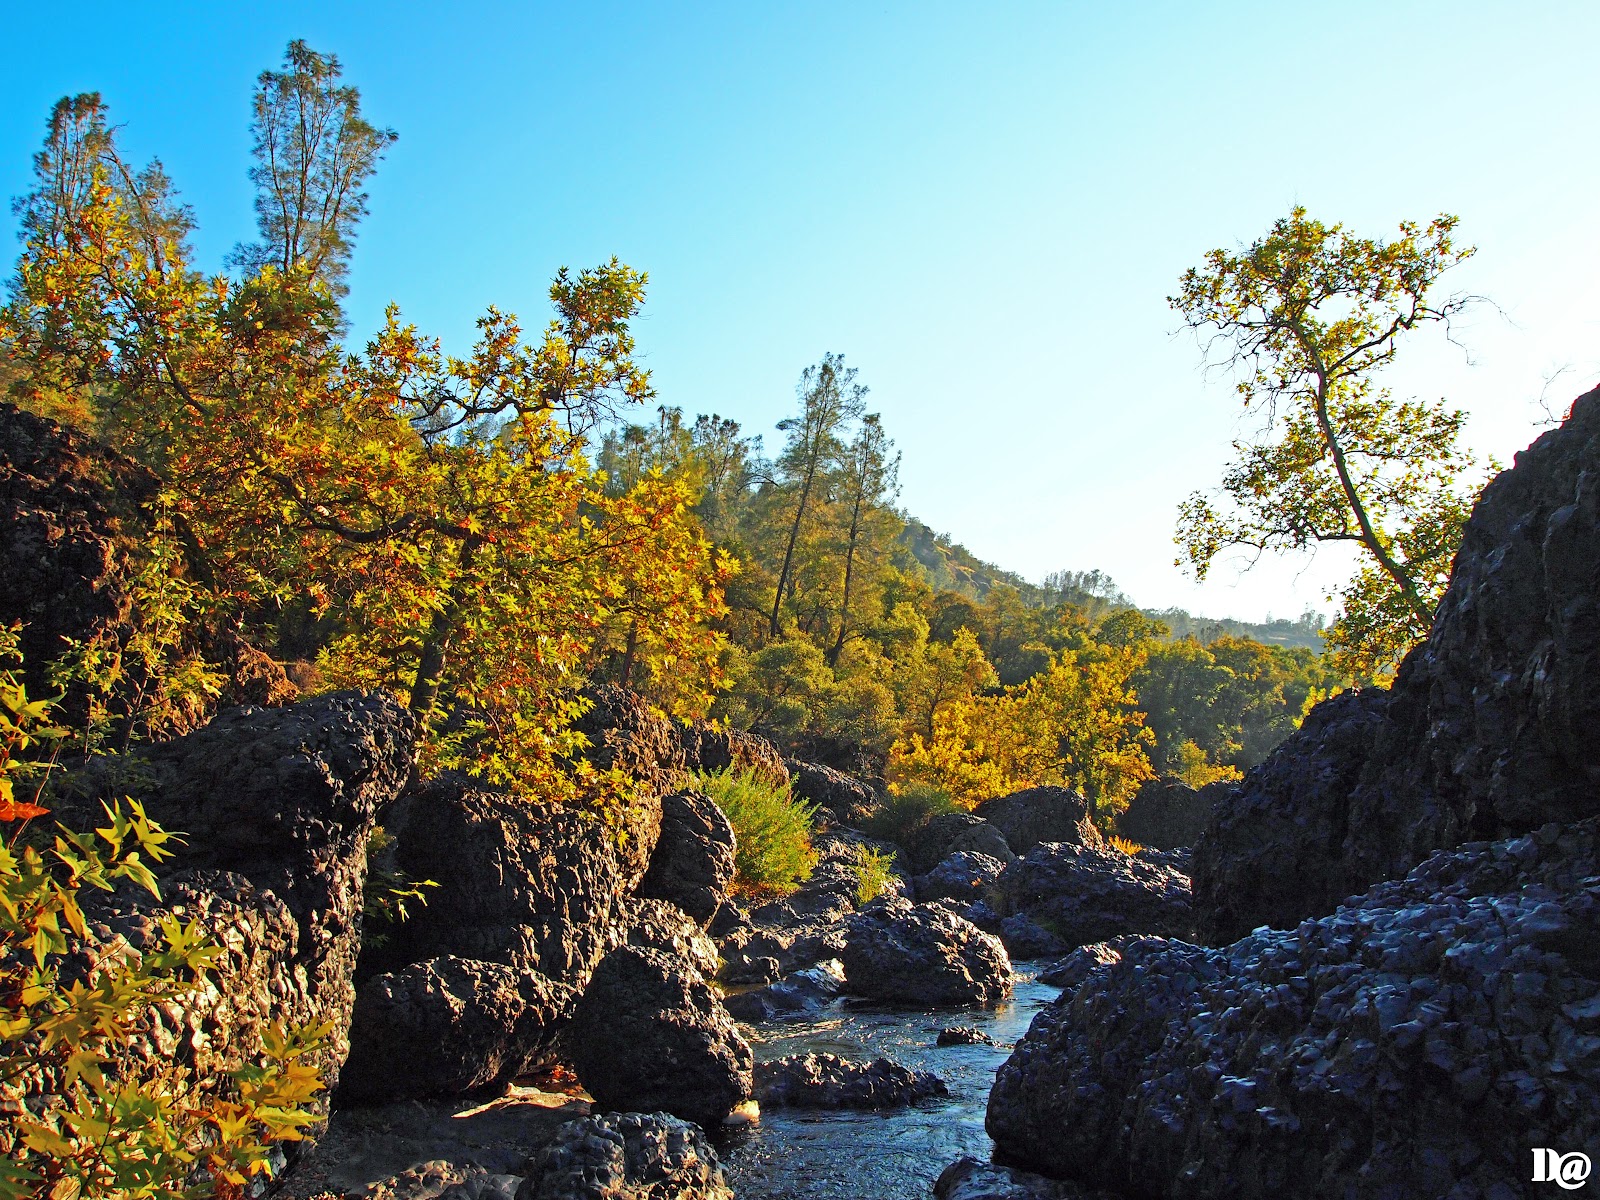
(893, 1155)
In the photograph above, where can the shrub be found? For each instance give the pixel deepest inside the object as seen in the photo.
(874, 869)
(773, 853)
(907, 809)
(1123, 844)
(101, 1125)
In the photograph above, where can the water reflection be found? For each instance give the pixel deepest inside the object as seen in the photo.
(894, 1155)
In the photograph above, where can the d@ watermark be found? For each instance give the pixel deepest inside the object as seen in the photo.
(1570, 1171)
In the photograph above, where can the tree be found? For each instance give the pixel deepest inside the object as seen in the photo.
(1307, 316)
(868, 477)
(829, 399)
(314, 150)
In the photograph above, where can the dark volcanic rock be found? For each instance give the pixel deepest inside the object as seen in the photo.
(1025, 938)
(693, 861)
(657, 925)
(803, 991)
(923, 955)
(846, 797)
(1414, 1043)
(520, 882)
(1167, 813)
(952, 833)
(712, 750)
(447, 1026)
(964, 876)
(964, 1035)
(626, 1156)
(1487, 732)
(828, 1081)
(70, 513)
(276, 806)
(1040, 814)
(624, 734)
(650, 1034)
(1084, 894)
(1077, 966)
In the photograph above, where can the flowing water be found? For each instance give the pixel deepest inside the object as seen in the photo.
(893, 1155)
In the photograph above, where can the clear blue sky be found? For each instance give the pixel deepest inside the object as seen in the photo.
(982, 207)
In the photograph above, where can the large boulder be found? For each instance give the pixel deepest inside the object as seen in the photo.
(448, 1026)
(623, 734)
(1040, 814)
(626, 1156)
(923, 955)
(828, 1081)
(954, 833)
(1487, 731)
(711, 750)
(1167, 813)
(521, 882)
(1416, 1042)
(1084, 894)
(804, 991)
(964, 876)
(656, 925)
(649, 1033)
(693, 861)
(276, 806)
(844, 796)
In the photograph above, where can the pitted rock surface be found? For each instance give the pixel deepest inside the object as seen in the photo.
(1041, 814)
(828, 1081)
(923, 955)
(693, 862)
(1488, 730)
(801, 992)
(1165, 814)
(711, 750)
(845, 797)
(650, 1034)
(657, 925)
(627, 1156)
(951, 833)
(970, 1179)
(965, 876)
(1415, 1042)
(1082, 894)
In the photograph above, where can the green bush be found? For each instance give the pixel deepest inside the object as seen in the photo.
(773, 854)
(874, 869)
(902, 813)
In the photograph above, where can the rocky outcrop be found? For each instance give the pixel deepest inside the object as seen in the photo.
(276, 806)
(623, 734)
(1083, 894)
(650, 1034)
(953, 833)
(657, 925)
(828, 1081)
(923, 955)
(965, 876)
(970, 1179)
(693, 861)
(845, 797)
(449, 1026)
(802, 992)
(711, 750)
(626, 1156)
(1040, 814)
(1167, 813)
(1415, 1042)
(1486, 732)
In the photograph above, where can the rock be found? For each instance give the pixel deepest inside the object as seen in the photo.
(72, 517)
(693, 861)
(1415, 1042)
(969, 1179)
(1487, 731)
(802, 992)
(650, 1034)
(1026, 939)
(627, 1156)
(710, 750)
(1167, 813)
(276, 806)
(964, 1035)
(845, 797)
(657, 925)
(522, 883)
(964, 877)
(449, 1026)
(828, 1081)
(1084, 894)
(950, 833)
(923, 955)
(1040, 814)
(440, 1180)
(624, 734)
(1076, 967)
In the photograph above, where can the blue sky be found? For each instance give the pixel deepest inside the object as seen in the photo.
(982, 207)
